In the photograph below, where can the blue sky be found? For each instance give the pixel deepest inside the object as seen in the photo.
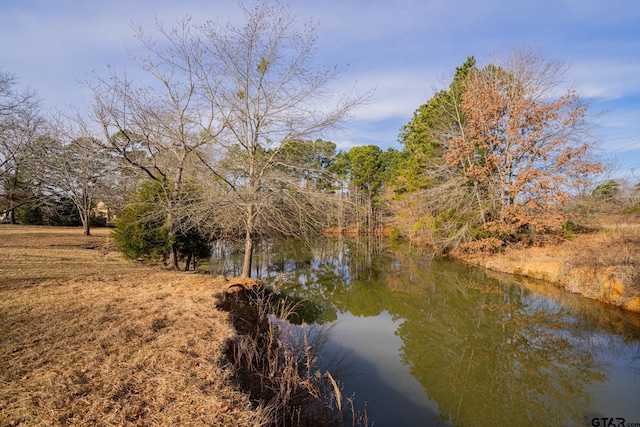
(402, 50)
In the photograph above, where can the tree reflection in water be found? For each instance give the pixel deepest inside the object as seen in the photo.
(486, 349)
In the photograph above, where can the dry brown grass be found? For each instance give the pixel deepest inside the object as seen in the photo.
(87, 338)
(613, 241)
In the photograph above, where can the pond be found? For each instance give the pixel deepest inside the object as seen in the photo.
(426, 341)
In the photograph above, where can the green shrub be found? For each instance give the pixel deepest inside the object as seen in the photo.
(141, 230)
(98, 221)
(192, 246)
(31, 215)
(64, 213)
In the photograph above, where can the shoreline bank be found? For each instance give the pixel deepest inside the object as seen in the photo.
(567, 265)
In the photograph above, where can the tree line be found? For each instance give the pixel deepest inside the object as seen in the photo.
(227, 135)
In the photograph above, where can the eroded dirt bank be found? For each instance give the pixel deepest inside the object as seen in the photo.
(596, 266)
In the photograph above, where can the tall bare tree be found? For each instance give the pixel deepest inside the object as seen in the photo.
(74, 166)
(158, 126)
(271, 93)
(20, 122)
(235, 97)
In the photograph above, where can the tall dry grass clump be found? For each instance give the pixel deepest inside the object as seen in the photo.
(612, 244)
(278, 363)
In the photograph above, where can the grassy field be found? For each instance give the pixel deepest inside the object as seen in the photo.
(87, 338)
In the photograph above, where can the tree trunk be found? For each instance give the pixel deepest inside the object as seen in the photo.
(479, 200)
(248, 254)
(173, 257)
(188, 262)
(248, 242)
(85, 218)
(171, 236)
(369, 208)
(173, 249)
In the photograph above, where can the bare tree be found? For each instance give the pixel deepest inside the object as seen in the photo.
(235, 98)
(158, 127)
(294, 198)
(270, 94)
(20, 121)
(74, 166)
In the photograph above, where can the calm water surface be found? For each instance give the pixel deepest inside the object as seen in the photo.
(425, 341)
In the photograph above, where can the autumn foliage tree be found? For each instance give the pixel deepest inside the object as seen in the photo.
(524, 148)
(511, 148)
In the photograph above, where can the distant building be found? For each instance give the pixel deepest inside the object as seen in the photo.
(102, 210)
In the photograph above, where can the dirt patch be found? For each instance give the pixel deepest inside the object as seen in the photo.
(88, 338)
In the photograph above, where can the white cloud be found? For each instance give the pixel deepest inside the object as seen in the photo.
(394, 92)
(606, 78)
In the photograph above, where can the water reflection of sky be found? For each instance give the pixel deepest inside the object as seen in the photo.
(394, 397)
(377, 376)
(619, 394)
